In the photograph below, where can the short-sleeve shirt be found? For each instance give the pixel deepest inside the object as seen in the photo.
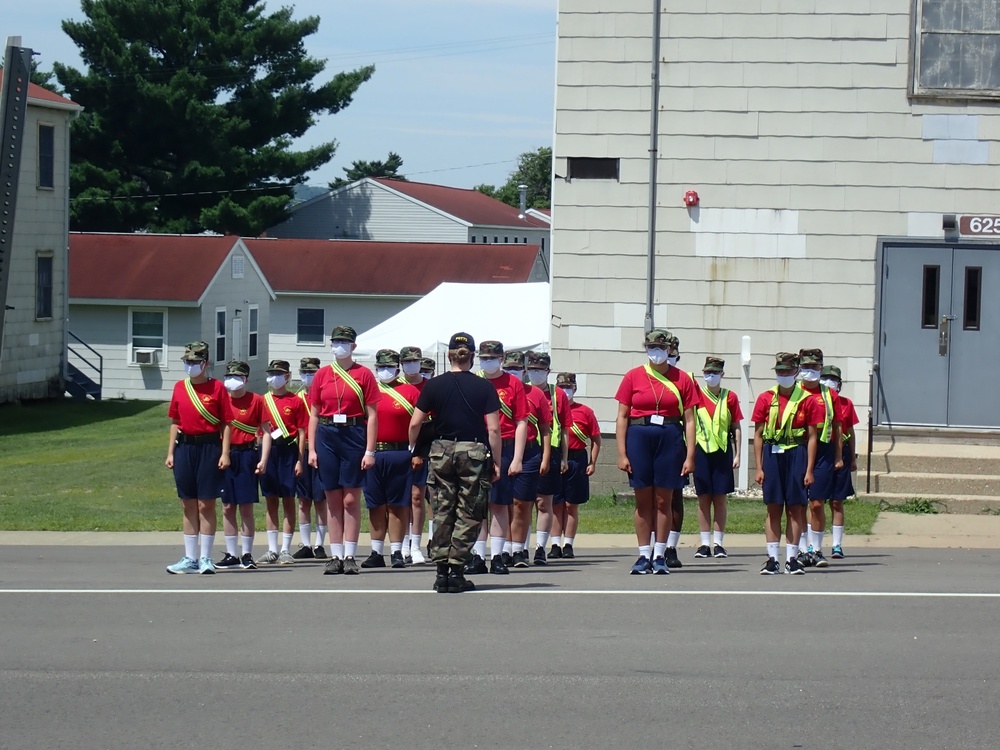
(331, 395)
(459, 403)
(848, 416)
(732, 401)
(645, 395)
(292, 411)
(815, 407)
(393, 417)
(762, 407)
(539, 407)
(511, 393)
(584, 419)
(213, 396)
(248, 410)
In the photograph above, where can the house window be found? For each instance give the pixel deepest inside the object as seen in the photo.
(220, 334)
(237, 266)
(473, 239)
(495, 239)
(43, 287)
(543, 244)
(46, 156)
(956, 49)
(310, 328)
(505, 240)
(587, 168)
(147, 334)
(252, 323)
(524, 240)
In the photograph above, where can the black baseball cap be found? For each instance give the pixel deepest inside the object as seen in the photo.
(461, 340)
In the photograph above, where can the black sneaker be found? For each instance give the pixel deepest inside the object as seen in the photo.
(521, 559)
(540, 556)
(318, 552)
(476, 566)
(396, 559)
(818, 560)
(351, 566)
(672, 560)
(247, 563)
(793, 568)
(497, 566)
(457, 582)
(508, 558)
(335, 566)
(567, 551)
(304, 553)
(805, 559)
(555, 553)
(720, 551)
(441, 582)
(374, 560)
(229, 562)
(770, 568)
(703, 551)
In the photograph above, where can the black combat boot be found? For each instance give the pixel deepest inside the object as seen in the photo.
(441, 582)
(457, 582)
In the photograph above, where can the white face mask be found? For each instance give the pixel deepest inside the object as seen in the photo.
(489, 366)
(306, 378)
(341, 349)
(276, 381)
(515, 373)
(785, 381)
(234, 383)
(712, 379)
(809, 376)
(411, 368)
(194, 369)
(538, 378)
(570, 392)
(657, 356)
(830, 383)
(673, 359)
(427, 375)
(386, 374)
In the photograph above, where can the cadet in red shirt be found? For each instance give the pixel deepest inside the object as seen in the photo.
(843, 486)
(247, 463)
(582, 427)
(343, 428)
(287, 421)
(655, 434)
(676, 519)
(308, 486)
(410, 362)
(198, 453)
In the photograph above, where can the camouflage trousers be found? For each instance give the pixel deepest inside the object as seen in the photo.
(458, 487)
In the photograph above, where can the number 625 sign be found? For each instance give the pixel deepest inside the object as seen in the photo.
(979, 225)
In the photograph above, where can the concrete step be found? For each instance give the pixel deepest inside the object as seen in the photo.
(923, 484)
(955, 504)
(933, 458)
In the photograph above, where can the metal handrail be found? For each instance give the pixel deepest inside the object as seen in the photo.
(100, 358)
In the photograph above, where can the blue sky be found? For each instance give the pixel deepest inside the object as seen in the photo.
(457, 82)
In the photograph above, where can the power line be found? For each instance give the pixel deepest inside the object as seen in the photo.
(467, 166)
(150, 196)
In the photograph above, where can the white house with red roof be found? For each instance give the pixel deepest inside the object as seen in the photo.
(387, 210)
(34, 341)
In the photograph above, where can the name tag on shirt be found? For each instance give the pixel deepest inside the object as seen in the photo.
(340, 419)
(275, 434)
(777, 449)
(656, 419)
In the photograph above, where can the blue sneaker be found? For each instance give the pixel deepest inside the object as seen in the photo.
(838, 552)
(642, 566)
(183, 566)
(206, 566)
(660, 567)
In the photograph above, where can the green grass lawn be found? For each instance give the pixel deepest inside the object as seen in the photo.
(98, 466)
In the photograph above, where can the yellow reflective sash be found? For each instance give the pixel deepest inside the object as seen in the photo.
(272, 407)
(399, 398)
(244, 427)
(196, 402)
(663, 380)
(354, 384)
(580, 434)
(828, 419)
(305, 399)
(504, 409)
(713, 431)
(556, 434)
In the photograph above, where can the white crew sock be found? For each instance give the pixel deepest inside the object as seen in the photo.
(350, 549)
(556, 541)
(286, 541)
(652, 538)
(378, 545)
(246, 543)
(772, 549)
(517, 547)
(659, 549)
(644, 550)
(395, 547)
(191, 546)
(415, 541)
(792, 550)
(430, 527)
(305, 533)
(272, 540)
(508, 546)
(816, 540)
(838, 536)
(320, 535)
(479, 548)
(527, 537)
(541, 539)
(207, 540)
(407, 542)
(673, 538)
(804, 539)
(719, 536)
(231, 542)
(568, 540)
(337, 550)
(496, 545)
(706, 538)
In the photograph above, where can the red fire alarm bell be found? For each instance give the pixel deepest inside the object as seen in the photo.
(691, 198)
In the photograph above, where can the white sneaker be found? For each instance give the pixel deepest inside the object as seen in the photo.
(417, 555)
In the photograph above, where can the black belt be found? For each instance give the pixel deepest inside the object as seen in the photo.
(790, 441)
(577, 453)
(508, 443)
(203, 439)
(648, 420)
(285, 440)
(351, 421)
(392, 446)
(243, 447)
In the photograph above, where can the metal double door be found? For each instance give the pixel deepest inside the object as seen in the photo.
(938, 331)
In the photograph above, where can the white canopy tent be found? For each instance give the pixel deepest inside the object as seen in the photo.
(518, 315)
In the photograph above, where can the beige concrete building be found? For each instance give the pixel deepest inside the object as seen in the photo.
(845, 159)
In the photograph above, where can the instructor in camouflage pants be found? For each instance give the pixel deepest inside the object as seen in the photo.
(464, 459)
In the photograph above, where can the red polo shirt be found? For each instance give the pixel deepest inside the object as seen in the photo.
(213, 396)
(511, 393)
(291, 410)
(848, 416)
(815, 407)
(582, 417)
(331, 395)
(645, 395)
(538, 405)
(393, 418)
(248, 409)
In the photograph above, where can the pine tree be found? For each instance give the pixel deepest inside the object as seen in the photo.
(375, 168)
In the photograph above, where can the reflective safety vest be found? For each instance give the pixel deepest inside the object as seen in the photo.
(713, 430)
(827, 432)
(778, 428)
(556, 435)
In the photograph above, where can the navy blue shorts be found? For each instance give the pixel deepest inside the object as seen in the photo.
(308, 487)
(196, 470)
(784, 476)
(843, 481)
(525, 484)
(551, 483)
(420, 477)
(502, 492)
(239, 481)
(339, 451)
(278, 479)
(713, 472)
(657, 454)
(389, 481)
(576, 483)
(823, 473)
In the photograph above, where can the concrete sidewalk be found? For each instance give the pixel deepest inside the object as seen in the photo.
(942, 531)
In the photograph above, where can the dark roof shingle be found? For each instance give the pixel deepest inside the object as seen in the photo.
(468, 205)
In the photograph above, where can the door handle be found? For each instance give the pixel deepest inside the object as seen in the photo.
(944, 334)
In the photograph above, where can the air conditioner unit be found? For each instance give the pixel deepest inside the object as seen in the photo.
(147, 356)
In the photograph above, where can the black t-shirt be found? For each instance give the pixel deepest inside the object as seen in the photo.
(459, 401)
